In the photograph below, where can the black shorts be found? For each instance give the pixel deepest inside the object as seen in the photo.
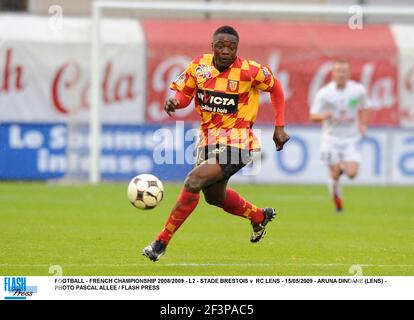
(230, 159)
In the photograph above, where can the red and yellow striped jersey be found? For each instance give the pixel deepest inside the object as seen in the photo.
(227, 101)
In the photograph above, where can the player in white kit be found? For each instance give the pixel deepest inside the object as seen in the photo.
(341, 106)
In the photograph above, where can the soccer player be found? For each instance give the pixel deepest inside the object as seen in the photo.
(226, 92)
(341, 106)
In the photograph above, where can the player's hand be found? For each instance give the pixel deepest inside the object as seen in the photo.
(280, 137)
(170, 105)
(327, 116)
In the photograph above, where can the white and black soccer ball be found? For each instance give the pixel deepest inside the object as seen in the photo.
(145, 191)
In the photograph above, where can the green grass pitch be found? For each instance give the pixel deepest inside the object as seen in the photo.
(93, 230)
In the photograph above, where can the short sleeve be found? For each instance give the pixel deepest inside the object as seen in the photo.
(318, 104)
(185, 82)
(365, 102)
(262, 77)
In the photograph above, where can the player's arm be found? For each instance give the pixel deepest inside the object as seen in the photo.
(179, 101)
(364, 113)
(317, 113)
(280, 137)
(320, 117)
(363, 121)
(185, 87)
(265, 81)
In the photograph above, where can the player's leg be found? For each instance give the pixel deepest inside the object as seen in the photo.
(351, 168)
(331, 156)
(203, 175)
(352, 158)
(334, 185)
(215, 194)
(229, 200)
(232, 202)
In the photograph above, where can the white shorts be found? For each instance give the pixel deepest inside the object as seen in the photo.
(335, 150)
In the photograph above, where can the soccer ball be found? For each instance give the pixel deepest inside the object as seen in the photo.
(145, 191)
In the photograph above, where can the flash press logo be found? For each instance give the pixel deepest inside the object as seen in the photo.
(16, 288)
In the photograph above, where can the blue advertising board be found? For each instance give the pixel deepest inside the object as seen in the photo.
(50, 151)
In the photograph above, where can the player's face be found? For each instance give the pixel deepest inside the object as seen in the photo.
(224, 50)
(341, 73)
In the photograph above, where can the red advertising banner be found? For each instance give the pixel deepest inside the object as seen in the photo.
(45, 77)
(300, 55)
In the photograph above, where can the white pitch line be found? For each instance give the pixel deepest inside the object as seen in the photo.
(283, 264)
(213, 265)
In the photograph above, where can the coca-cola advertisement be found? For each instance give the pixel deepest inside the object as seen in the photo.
(299, 54)
(45, 93)
(45, 75)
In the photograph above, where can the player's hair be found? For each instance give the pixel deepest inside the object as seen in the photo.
(341, 60)
(227, 30)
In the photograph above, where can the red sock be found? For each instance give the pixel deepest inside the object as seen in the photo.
(236, 205)
(186, 203)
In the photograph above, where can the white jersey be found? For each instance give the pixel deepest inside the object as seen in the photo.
(344, 105)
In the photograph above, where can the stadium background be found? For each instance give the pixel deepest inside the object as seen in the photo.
(45, 87)
(44, 101)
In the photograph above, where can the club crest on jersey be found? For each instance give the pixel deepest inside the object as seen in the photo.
(233, 84)
(266, 72)
(353, 103)
(180, 79)
(203, 72)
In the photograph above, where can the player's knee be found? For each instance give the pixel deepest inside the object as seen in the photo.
(352, 175)
(336, 176)
(193, 182)
(352, 172)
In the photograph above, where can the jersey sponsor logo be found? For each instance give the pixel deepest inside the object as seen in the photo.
(218, 102)
(203, 72)
(218, 150)
(352, 103)
(180, 79)
(233, 84)
(266, 72)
